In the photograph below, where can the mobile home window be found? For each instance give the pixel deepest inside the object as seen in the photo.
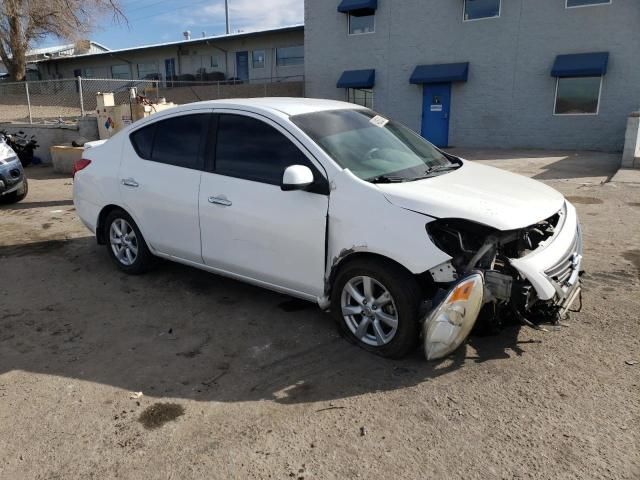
(586, 3)
(578, 95)
(360, 23)
(290, 56)
(360, 96)
(215, 61)
(258, 58)
(121, 71)
(477, 9)
(148, 70)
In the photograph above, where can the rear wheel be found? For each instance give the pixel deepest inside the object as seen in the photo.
(375, 304)
(125, 243)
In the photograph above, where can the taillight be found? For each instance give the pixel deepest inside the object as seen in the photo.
(79, 165)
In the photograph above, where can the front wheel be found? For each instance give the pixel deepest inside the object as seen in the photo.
(375, 304)
(125, 244)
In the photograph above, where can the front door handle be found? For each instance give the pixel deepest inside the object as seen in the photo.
(220, 201)
(130, 182)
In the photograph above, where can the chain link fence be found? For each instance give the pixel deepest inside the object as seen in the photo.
(66, 100)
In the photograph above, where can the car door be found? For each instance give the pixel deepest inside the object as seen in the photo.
(160, 180)
(250, 226)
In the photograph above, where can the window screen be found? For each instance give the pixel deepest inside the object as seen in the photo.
(577, 95)
(475, 9)
(250, 149)
(583, 3)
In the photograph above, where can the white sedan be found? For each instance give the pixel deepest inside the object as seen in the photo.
(330, 202)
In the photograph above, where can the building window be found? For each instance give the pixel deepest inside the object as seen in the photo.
(121, 71)
(578, 95)
(477, 9)
(362, 22)
(215, 61)
(148, 71)
(286, 56)
(257, 58)
(360, 96)
(586, 3)
(89, 73)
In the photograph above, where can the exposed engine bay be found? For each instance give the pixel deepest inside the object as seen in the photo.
(478, 251)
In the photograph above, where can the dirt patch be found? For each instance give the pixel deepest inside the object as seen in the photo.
(585, 200)
(158, 414)
(633, 256)
(633, 204)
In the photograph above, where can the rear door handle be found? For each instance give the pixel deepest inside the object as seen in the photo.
(220, 201)
(130, 182)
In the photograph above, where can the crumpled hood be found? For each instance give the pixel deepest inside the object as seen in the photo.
(479, 193)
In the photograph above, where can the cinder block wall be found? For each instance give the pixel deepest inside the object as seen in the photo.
(509, 98)
(48, 135)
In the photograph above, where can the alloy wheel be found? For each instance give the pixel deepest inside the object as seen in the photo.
(369, 311)
(123, 241)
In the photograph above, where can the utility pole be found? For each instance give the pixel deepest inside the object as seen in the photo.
(226, 14)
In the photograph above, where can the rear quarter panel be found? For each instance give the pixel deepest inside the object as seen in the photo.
(97, 185)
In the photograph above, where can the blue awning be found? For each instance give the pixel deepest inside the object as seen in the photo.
(580, 65)
(347, 6)
(441, 73)
(357, 79)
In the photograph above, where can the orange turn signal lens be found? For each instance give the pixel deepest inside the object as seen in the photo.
(462, 292)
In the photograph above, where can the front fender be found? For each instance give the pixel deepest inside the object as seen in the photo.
(361, 219)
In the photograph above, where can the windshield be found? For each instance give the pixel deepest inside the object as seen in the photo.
(372, 147)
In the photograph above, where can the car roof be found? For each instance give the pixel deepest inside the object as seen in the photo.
(284, 105)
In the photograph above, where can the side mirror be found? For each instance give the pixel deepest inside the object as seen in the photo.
(296, 177)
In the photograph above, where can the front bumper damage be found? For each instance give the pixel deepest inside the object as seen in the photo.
(545, 280)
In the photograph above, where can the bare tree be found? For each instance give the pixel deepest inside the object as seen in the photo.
(24, 22)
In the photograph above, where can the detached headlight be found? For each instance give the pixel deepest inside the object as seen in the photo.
(449, 324)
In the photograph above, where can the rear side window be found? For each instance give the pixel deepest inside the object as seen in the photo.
(250, 149)
(142, 141)
(176, 141)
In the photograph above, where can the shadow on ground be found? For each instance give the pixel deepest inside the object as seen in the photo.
(181, 332)
(548, 165)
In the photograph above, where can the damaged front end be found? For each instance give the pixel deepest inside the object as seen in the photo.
(530, 274)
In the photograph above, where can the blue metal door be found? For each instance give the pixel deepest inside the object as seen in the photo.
(242, 65)
(435, 113)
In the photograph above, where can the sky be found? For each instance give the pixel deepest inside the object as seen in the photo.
(157, 21)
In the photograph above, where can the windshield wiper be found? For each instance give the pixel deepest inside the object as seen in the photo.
(386, 179)
(442, 168)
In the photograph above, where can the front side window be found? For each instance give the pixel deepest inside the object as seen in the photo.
(364, 22)
(477, 9)
(586, 3)
(263, 159)
(371, 146)
(286, 56)
(257, 58)
(214, 61)
(176, 141)
(121, 72)
(577, 95)
(360, 96)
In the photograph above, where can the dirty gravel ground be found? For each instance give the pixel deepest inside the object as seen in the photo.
(239, 382)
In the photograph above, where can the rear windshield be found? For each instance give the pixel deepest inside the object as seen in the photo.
(370, 145)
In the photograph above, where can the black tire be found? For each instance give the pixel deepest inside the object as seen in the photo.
(143, 260)
(18, 195)
(406, 296)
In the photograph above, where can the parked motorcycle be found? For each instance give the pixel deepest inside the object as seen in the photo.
(21, 144)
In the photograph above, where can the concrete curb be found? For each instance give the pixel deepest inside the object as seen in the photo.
(627, 175)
